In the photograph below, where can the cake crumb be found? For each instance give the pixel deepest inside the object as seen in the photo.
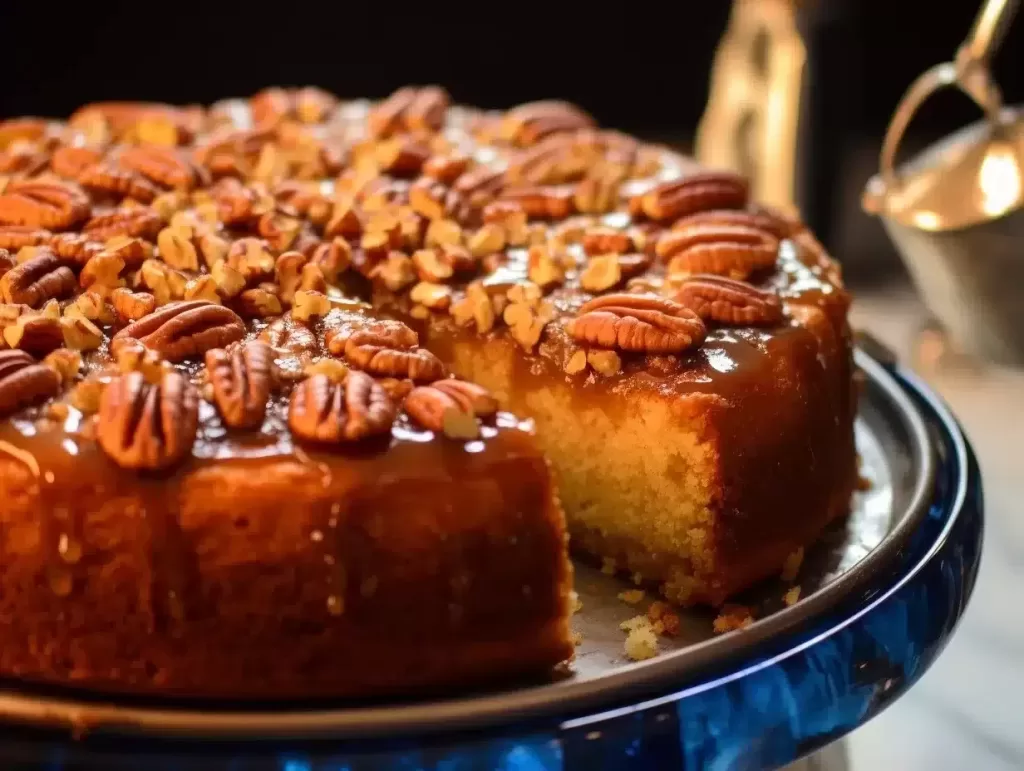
(864, 483)
(791, 567)
(663, 618)
(634, 623)
(733, 617)
(641, 643)
(575, 603)
(577, 638)
(632, 596)
(638, 579)
(608, 566)
(791, 597)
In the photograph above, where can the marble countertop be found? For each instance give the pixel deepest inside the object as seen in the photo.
(967, 712)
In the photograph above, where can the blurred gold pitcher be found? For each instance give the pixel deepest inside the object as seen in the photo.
(955, 211)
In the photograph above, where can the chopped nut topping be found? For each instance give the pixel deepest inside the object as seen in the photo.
(80, 334)
(437, 297)
(601, 273)
(396, 272)
(606, 363)
(66, 363)
(444, 233)
(475, 307)
(577, 362)
(176, 249)
(309, 304)
(543, 269)
(332, 368)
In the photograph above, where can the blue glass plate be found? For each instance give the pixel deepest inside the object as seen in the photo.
(770, 698)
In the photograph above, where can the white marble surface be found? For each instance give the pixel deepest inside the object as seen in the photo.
(967, 712)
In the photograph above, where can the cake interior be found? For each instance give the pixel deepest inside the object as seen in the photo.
(635, 476)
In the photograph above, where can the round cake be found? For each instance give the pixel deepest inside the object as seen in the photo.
(294, 390)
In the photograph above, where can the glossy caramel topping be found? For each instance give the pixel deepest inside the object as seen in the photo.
(274, 268)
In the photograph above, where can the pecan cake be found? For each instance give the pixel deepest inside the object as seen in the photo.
(270, 371)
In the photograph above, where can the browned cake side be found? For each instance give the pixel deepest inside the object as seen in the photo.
(236, 460)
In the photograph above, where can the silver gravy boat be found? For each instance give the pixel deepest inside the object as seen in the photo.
(956, 211)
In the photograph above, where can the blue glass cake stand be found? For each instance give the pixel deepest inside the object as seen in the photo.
(784, 697)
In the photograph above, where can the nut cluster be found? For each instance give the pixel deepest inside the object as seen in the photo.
(153, 257)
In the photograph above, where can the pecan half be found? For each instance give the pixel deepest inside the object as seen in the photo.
(148, 426)
(324, 411)
(383, 347)
(16, 236)
(409, 109)
(529, 123)
(33, 282)
(241, 383)
(107, 178)
(70, 161)
(689, 195)
(36, 334)
(136, 222)
(50, 205)
(288, 337)
(451, 407)
(542, 202)
(181, 330)
(758, 220)
(75, 248)
(23, 381)
(164, 166)
(636, 322)
(725, 250)
(715, 298)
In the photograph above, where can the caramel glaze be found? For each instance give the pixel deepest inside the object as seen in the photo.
(122, 580)
(779, 405)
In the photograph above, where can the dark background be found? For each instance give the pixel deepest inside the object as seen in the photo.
(640, 67)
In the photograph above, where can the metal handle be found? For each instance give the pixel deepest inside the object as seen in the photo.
(990, 28)
(969, 72)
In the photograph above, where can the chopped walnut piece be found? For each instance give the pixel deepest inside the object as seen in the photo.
(165, 283)
(437, 297)
(601, 273)
(259, 303)
(230, 282)
(177, 250)
(443, 233)
(527, 320)
(213, 248)
(475, 307)
(132, 306)
(606, 363)
(332, 368)
(80, 334)
(202, 288)
(306, 305)
(543, 269)
(288, 271)
(86, 396)
(65, 362)
(577, 362)
(333, 258)
(396, 272)
(102, 273)
(490, 238)
(92, 306)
